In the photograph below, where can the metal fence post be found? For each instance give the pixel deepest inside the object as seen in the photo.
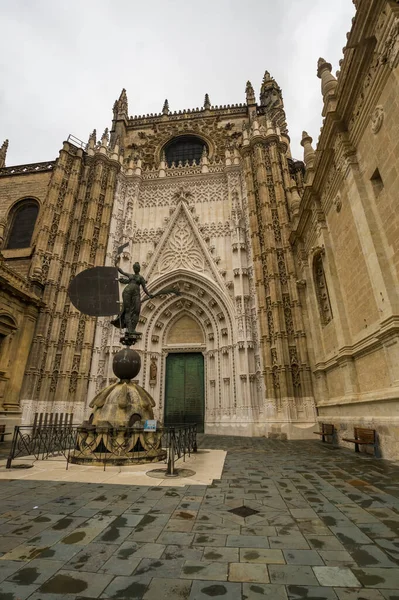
(171, 456)
(195, 438)
(13, 446)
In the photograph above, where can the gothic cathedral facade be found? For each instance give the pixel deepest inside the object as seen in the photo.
(287, 270)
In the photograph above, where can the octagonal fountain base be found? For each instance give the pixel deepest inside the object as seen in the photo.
(114, 433)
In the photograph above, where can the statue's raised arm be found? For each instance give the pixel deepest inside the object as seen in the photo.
(131, 301)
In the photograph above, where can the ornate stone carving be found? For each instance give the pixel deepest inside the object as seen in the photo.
(269, 313)
(321, 289)
(274, 356)
(202, 190)
(183, 248)
(390, 53)
(338, 202)
(288, 314)
(281, 266)
(377, 119)
(276, 226)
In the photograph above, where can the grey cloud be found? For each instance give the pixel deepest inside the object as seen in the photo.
(63, 64)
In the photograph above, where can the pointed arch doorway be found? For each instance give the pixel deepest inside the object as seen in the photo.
(184, 381)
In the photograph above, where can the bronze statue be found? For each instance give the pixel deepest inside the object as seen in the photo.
(130, 314)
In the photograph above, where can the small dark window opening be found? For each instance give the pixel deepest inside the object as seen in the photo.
(135, 418)
(23, 223)
(184, 148)
(376, 182)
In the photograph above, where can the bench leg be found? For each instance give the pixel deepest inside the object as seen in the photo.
(357, 448)
(323, 438)
(1, 437)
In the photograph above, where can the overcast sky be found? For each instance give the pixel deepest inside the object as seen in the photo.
(63, 64)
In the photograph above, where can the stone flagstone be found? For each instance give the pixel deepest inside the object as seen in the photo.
(327, 527)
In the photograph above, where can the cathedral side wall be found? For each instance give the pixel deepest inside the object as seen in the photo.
(354, 226)
(380, 150)
(352, 275)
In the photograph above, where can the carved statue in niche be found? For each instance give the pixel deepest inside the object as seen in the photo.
(377, 119)
(153, 369)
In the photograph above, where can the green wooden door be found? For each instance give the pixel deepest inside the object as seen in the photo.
(184, 395)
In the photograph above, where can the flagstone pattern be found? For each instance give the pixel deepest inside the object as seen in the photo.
(320, 524)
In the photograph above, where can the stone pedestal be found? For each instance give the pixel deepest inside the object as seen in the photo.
(115, 431)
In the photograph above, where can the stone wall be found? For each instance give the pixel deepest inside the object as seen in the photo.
(348, 218)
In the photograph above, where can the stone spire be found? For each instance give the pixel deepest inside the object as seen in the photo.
(249, 91)
(207, 102)
(271, 98)
(92, 142)
(309, 154)
(165, 108)
(328, 81)
(104, 141)
(121, 106)
(270, 92)
(93, 137)
(3, 153)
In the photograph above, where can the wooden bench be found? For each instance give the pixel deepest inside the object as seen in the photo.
(3, 433)
(326, 429)
(362, 437)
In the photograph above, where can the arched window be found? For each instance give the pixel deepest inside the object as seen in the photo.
(184, 148)
(22, 223)
(320, 283)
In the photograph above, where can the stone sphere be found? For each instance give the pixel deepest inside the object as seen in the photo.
(126, 364)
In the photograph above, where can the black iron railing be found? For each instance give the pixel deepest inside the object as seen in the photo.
(104, 445)
(181, 440)
(42, 442)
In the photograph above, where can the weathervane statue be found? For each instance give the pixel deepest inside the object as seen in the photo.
(124, 406)
(131, 300)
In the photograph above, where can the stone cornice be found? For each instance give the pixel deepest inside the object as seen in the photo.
(388, 330)
(16, 284)
(229, 110)
(40, 167)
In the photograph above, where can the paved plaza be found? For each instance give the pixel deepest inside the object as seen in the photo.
(287, 519)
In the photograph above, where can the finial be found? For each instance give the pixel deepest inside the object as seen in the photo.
(121, 106)
(328, 81)
(165, 108)
(249, 91)
(309, 154)
(204, 160)
(207, 102)
(92, 143)
(104, 141)
(266, 77)
(321, 62)
(3, 153)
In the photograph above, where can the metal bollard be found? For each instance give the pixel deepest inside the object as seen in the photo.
(171, 458)
(13, 447)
